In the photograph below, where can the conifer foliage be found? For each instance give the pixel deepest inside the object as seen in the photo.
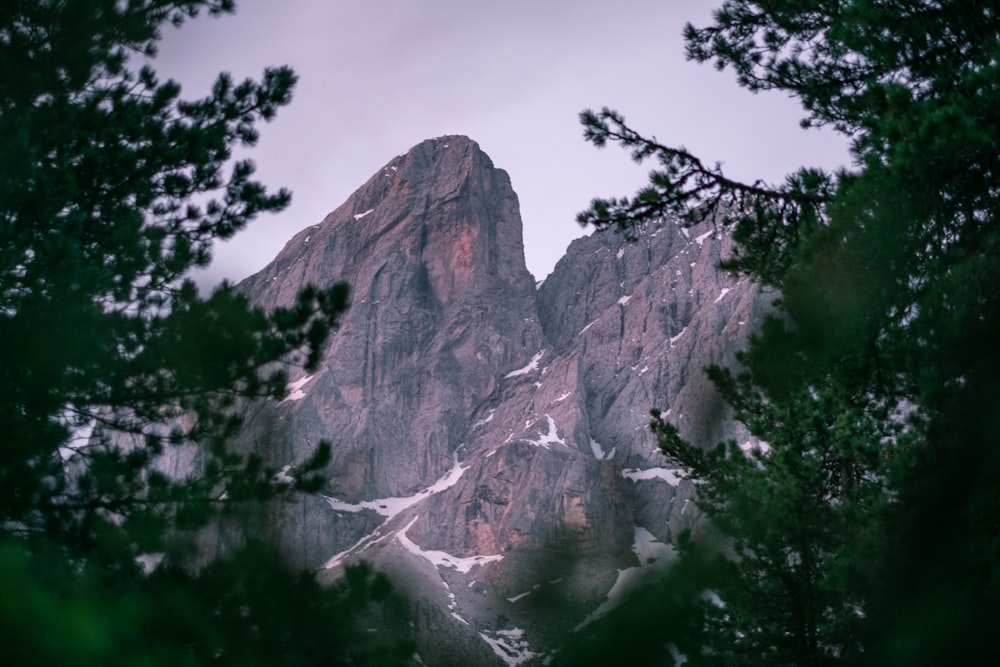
(866, 531)
(112, 188)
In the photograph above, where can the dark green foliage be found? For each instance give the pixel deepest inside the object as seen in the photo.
(869, 532)
(250, 610)
(685, 188)
(245, 611)
(797, 514)
(112, 188)
(660, 624)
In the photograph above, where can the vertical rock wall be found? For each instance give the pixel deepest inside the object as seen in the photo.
(490, 447)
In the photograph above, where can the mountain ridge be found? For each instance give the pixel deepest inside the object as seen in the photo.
(490, 447)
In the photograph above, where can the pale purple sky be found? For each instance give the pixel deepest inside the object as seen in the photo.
(378, 76)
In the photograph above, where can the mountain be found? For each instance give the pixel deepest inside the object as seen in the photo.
(490, 442)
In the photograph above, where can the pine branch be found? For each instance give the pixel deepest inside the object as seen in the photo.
(685, 186)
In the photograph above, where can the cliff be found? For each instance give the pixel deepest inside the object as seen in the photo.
(490, 441)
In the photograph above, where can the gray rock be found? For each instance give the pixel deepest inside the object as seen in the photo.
(490, 440)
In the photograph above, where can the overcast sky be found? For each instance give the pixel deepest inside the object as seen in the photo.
(378, 76)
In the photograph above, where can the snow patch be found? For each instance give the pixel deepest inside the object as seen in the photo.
(621, 253)
(294, 389)
(674, 339)
(390, 507)
(368, 540)
(149, 561)
(550, 438)
(713, 598)
(755, 444)
(724, 292)
(485, 420)
(624, 300)
(563, 397)
(440, 558)
(654, 557)
(701, 239)
(358, 216)
(667, 475)
(509, 645)
(532, 365)
(597, 449)
(583, 330)
(283, 477)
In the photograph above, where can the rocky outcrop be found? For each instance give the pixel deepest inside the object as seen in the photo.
(490, 441)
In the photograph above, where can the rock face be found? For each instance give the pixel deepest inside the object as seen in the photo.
(490, 441)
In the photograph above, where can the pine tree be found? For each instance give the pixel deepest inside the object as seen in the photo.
(100, 171)
(876, 383)
(112, 188)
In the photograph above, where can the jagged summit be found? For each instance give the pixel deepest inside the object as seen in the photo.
(490, 440)
(441, 205)
(442, 305)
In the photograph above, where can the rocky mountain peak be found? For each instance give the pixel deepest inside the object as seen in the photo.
(442, 305)
(439, 212)
(490, 441)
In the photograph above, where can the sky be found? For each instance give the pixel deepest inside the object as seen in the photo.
(379, 76)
